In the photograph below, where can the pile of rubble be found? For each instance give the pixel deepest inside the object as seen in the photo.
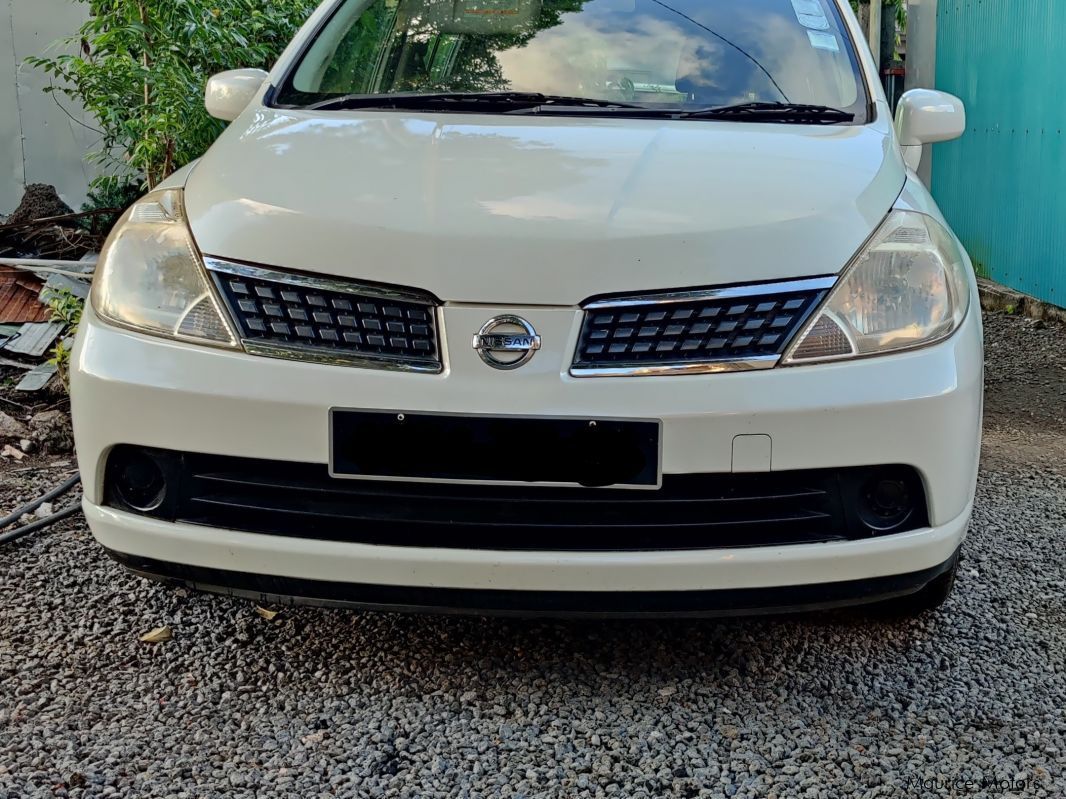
(44, 252)
(45, 227)
(45, 432)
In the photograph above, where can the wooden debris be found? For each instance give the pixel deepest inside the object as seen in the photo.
(158, 635)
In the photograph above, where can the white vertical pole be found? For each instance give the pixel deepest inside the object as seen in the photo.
(874, 34)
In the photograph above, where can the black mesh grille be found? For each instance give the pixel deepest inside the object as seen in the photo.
(690, 511)
(700, 330)
(332, 320)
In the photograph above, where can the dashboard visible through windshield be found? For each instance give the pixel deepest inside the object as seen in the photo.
(652, 54)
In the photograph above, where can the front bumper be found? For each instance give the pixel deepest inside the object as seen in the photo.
(921, 409)
(275, 568)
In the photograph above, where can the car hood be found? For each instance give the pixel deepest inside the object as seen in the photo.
(539, 210)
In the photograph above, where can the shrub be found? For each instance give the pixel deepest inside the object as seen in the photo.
(109, 197)
(141, 65)
(66, 308)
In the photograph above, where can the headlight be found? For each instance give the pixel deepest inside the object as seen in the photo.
(151, 278)
(908, 287)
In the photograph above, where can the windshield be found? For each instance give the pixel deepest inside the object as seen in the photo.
(657, 54)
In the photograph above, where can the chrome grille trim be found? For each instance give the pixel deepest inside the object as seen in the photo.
(668, 369)
(724, 293)
(311, 355)
(324, 283)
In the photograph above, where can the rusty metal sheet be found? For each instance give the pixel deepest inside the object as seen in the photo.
(19, 298)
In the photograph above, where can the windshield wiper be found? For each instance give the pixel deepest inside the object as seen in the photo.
(800, 113)
(504, 101)
(535, 102)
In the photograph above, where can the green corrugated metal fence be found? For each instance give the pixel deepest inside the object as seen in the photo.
(1003, 185)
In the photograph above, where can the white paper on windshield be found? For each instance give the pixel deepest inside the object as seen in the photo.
(824, 41)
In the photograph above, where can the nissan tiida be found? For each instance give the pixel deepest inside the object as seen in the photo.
(544, 306)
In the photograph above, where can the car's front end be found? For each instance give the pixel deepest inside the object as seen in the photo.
(583, 363)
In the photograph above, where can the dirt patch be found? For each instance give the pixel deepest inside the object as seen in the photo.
(1025, 391)
(1025, 380)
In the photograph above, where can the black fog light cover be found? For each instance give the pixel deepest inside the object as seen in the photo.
(886, 501)
(137, 480)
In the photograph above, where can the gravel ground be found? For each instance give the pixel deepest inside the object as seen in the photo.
(332, 703)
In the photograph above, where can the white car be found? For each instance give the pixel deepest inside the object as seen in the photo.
(544, 306)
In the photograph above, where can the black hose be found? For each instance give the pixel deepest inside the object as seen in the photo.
(32, 506)
(40, 524)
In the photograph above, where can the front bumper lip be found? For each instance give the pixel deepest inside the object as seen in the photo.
(269, 589)
(490, 570)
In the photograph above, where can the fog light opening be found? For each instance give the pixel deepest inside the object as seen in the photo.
(886, 502)
(139, 482)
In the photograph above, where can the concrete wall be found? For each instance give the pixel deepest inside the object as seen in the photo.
(39, 143)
